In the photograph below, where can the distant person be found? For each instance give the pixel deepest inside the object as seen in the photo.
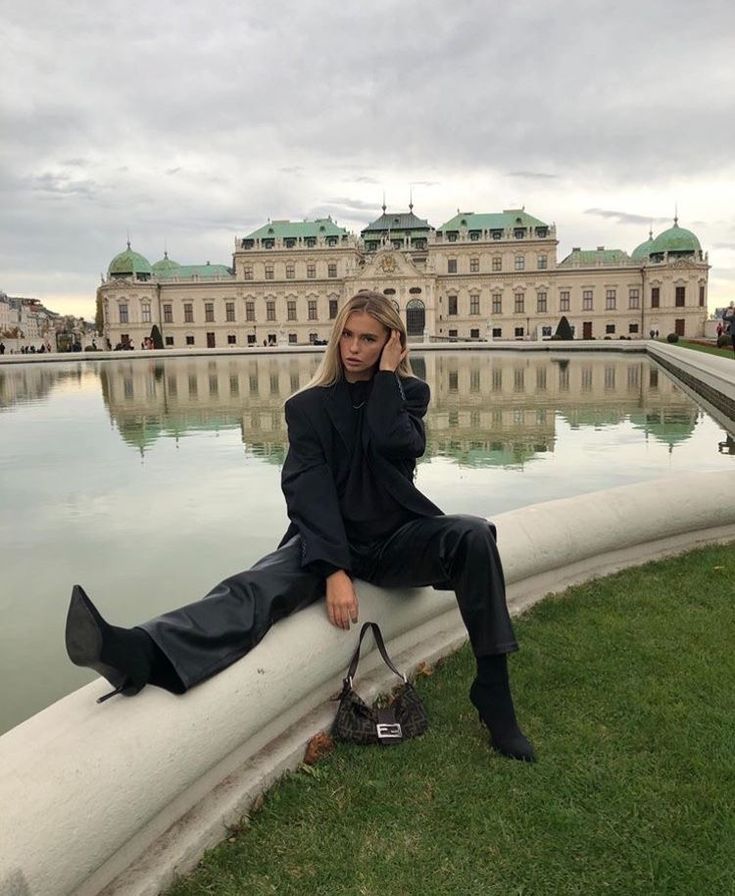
(354, 433)
(94, 346)
(729, 318)
(2, 348)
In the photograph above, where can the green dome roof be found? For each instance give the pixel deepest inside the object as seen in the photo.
(641, 252)
(165, 265)
(675, 239)
(129, 262)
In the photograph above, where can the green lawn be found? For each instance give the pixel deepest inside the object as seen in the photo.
(626, 686)
(725, 352)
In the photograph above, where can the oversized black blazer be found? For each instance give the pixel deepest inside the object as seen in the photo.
(320, 424)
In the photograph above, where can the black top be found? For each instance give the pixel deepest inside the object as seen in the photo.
(369, 510)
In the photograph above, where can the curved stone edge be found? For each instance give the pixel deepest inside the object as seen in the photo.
(123, 797)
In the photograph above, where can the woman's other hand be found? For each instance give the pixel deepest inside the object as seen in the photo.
(341, 600)
(393, 352)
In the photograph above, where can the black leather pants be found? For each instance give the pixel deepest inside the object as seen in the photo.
(451, 552)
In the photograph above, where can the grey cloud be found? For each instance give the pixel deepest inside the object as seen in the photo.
(625, 217)
(352, 204)
(532, 175)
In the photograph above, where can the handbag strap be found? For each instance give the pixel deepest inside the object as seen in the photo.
(378, 635)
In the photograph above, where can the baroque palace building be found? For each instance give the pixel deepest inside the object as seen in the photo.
(477, 277)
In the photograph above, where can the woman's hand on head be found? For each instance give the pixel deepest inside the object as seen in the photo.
(342, 605)
(393, 352)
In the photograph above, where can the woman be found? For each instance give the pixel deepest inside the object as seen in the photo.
(354, 434)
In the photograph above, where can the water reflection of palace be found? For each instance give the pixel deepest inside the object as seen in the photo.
(486, 409)
(23, 384)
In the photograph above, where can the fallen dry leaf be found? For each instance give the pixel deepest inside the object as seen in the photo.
(318, 747)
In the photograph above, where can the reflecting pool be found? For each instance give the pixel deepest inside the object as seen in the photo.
(149, 480)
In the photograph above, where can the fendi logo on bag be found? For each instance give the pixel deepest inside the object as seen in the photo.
(389, 731)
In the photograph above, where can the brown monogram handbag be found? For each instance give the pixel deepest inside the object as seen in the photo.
(358, 723)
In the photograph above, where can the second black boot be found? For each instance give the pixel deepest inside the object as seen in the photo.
(490, 694)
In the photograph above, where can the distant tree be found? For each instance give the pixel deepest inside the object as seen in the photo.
(156, 337)
(99, 317)
(563, 330)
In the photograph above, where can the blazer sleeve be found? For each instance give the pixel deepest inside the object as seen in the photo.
(395, 415)
(311, 496)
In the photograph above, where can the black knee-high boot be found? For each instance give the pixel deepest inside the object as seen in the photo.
(490, 694)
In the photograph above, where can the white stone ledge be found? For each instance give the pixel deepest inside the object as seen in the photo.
(121, 798)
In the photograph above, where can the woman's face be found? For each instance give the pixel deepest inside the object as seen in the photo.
(360, 346)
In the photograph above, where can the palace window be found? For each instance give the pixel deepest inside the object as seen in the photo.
(292, 340)
(310, 242)
(188, 315)
(452, 305)
(247, 273)
(632, 328)
(475, 333)
(520, 263)
(290, 270)
(123, 309)
(251, 338)
(564, 300)
(634, 297)
(452, 334)
(610, 299)
(610, 329)
(680, 296)
(170, 341)
(250, 311)
(332, 269)
(291, 309)
(655, 296)
(231, 339)
(313, 338)
(542, 262)
(518, 332)
(190, 341)
(269, 272)
(540, 302)
(230, 312)
(475, 304)
(497, 332)
(497, 262)
(270, 310)
(679, 325)
(452, 266)
(312, 309)
(587, 300)
(332, 309)
(209, 312)
(497, 303)
(519, 303)
(474, 265)
(311, 271)
(168, 314)
(145, 311)
(701, 294)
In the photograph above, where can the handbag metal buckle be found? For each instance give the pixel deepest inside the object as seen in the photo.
(388, 730)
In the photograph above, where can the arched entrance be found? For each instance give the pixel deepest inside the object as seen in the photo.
(415, 317)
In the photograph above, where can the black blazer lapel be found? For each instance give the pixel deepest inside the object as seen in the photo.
(339, 408)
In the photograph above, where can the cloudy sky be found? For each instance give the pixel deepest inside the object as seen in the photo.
(185, 124)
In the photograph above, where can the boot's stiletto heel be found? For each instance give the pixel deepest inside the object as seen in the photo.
(116, 654)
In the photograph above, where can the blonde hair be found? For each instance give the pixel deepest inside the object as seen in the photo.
(380, 308)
